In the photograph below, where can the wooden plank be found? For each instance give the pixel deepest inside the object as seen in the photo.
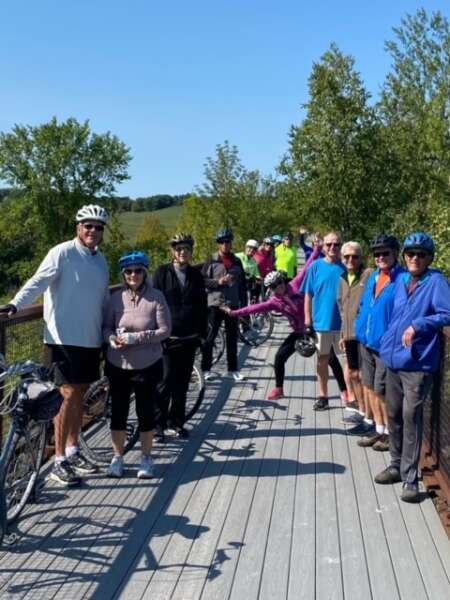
(438, 534)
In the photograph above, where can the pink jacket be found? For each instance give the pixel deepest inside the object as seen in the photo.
(265, 262)
(291, 304)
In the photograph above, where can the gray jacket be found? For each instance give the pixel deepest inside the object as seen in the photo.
(234, 295)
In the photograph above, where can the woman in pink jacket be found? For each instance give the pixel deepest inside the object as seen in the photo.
(289, 301)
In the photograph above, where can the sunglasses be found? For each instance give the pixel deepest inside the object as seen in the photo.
(332, 244)
(384, 254)
(181, 248)
(418, 253)
(351, 257)
(137, 271)
(89, 226)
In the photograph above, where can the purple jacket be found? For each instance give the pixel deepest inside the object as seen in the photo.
(290, 305)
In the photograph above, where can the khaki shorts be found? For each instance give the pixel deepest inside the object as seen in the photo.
(326, 339)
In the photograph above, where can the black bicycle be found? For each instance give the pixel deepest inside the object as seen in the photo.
(30, 400)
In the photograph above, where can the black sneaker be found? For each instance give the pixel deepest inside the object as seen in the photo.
(321, 403)
(388, 475)
(410, 492)
(183, 433)
(362, 429)
(80, 464)
(369, 439)
(63, 473)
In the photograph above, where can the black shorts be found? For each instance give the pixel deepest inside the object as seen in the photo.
(75, 364)
(373, 370)
(352, 354)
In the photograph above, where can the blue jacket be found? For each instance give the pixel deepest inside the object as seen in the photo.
(427, 309)
(375, 313)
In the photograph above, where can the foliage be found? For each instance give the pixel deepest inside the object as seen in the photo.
(114, 247)
(153, 239)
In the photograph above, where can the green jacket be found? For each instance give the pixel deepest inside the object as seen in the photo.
(286, 259)
(249, 264)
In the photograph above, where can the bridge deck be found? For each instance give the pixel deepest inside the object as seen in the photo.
(266, 500)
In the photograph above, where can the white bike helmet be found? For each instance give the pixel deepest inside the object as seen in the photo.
(92, 212)
(252, 244)
(274, 278)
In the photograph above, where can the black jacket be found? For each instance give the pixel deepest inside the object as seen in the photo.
(188, 305)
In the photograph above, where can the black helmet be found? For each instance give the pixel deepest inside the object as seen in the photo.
(385, 241)
(224, 235)
(305, 345)
(288, 235)
(182, 238)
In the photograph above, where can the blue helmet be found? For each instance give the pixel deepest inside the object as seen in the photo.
(224, 235)
(277, 239)
(419, 241)
(134, 258)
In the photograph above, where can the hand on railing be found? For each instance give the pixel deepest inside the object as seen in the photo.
(8, 310)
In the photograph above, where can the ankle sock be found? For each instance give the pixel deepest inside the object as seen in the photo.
(71, 450)
(379, 429)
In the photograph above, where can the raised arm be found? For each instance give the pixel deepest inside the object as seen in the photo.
(297, 282)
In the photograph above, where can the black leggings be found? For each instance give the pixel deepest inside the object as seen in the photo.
(215, 318)
(287, 349)
(143, 383)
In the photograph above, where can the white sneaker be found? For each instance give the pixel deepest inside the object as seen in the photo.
(207, 375)
(116, 467)
(235, 375)
(147, 468)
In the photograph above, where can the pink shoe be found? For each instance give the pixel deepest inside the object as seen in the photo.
(344, 397)
(276, 393)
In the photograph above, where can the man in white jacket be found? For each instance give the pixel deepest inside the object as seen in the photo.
(74, 279)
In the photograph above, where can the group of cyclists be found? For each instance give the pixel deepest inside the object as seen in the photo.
(386, 320)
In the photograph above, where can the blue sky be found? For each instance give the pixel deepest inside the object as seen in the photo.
(174, 79)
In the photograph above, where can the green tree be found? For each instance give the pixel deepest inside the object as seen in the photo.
(153, 239)
(60, 166)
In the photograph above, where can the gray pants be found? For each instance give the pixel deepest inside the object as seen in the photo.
(405, 395)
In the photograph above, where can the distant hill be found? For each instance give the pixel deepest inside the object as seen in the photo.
(131, 221)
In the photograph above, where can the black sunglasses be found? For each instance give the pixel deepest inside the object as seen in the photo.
(334, 244)
(382, 254)
(413, 253)
(351, 257)
(181, 248)
(89, 226)
(137, 271)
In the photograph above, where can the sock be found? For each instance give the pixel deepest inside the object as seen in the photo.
(361, 412)
(379, 429)
(386, 430)
(71, 450)
(368, 421)
(59, 459)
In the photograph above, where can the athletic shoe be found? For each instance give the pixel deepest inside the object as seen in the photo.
(410, 492)
(344, 397)
(321, 403)
(63, 473)
(353, 419)
(207, 375)
(235, 375)
(81, 465)
(388, 475)
(352, 406)
(115, 469)
(382, 443)
(180, 432)
(362, 429)
(147, 468)
(276, 393)
(369, 439)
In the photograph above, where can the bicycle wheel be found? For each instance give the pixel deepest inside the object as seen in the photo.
(218, 346)
(257, 329)
(95, 442)
(195, 393)
(19, 465)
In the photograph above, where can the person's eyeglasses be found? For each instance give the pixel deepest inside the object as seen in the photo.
(418, 253)
(181, 248)
(89, 226)
(137, 271)
(351, 257)
(333, 244)
(384, 254)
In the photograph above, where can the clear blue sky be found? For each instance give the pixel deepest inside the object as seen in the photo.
(172, 79)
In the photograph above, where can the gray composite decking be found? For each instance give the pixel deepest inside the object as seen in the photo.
(267, 500)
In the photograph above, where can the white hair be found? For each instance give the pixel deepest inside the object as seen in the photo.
(351, 246)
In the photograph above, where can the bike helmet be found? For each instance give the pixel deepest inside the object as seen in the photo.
(274, 278)
(385, 241)
(134, 258)
(92, 212)
(276, 239)
(224, 235)
(288, 235)
(419, 241)
(252, 244)
(182, 238)
(268, 240)
(305, 345)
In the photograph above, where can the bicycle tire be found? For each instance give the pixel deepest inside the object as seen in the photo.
(21, 461)
(94, 444)
(218, 346)
(195, 393)
(258, 330)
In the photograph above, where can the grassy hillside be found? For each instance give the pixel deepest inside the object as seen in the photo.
(131, 221)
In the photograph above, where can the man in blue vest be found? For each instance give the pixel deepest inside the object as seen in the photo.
(411, 351)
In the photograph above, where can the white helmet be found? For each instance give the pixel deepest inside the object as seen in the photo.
(274, 278)
(92, 212)
(252, 244)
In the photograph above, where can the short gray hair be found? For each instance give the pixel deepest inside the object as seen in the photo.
(352, 246)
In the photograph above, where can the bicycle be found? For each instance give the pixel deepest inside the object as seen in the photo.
(31, 400)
